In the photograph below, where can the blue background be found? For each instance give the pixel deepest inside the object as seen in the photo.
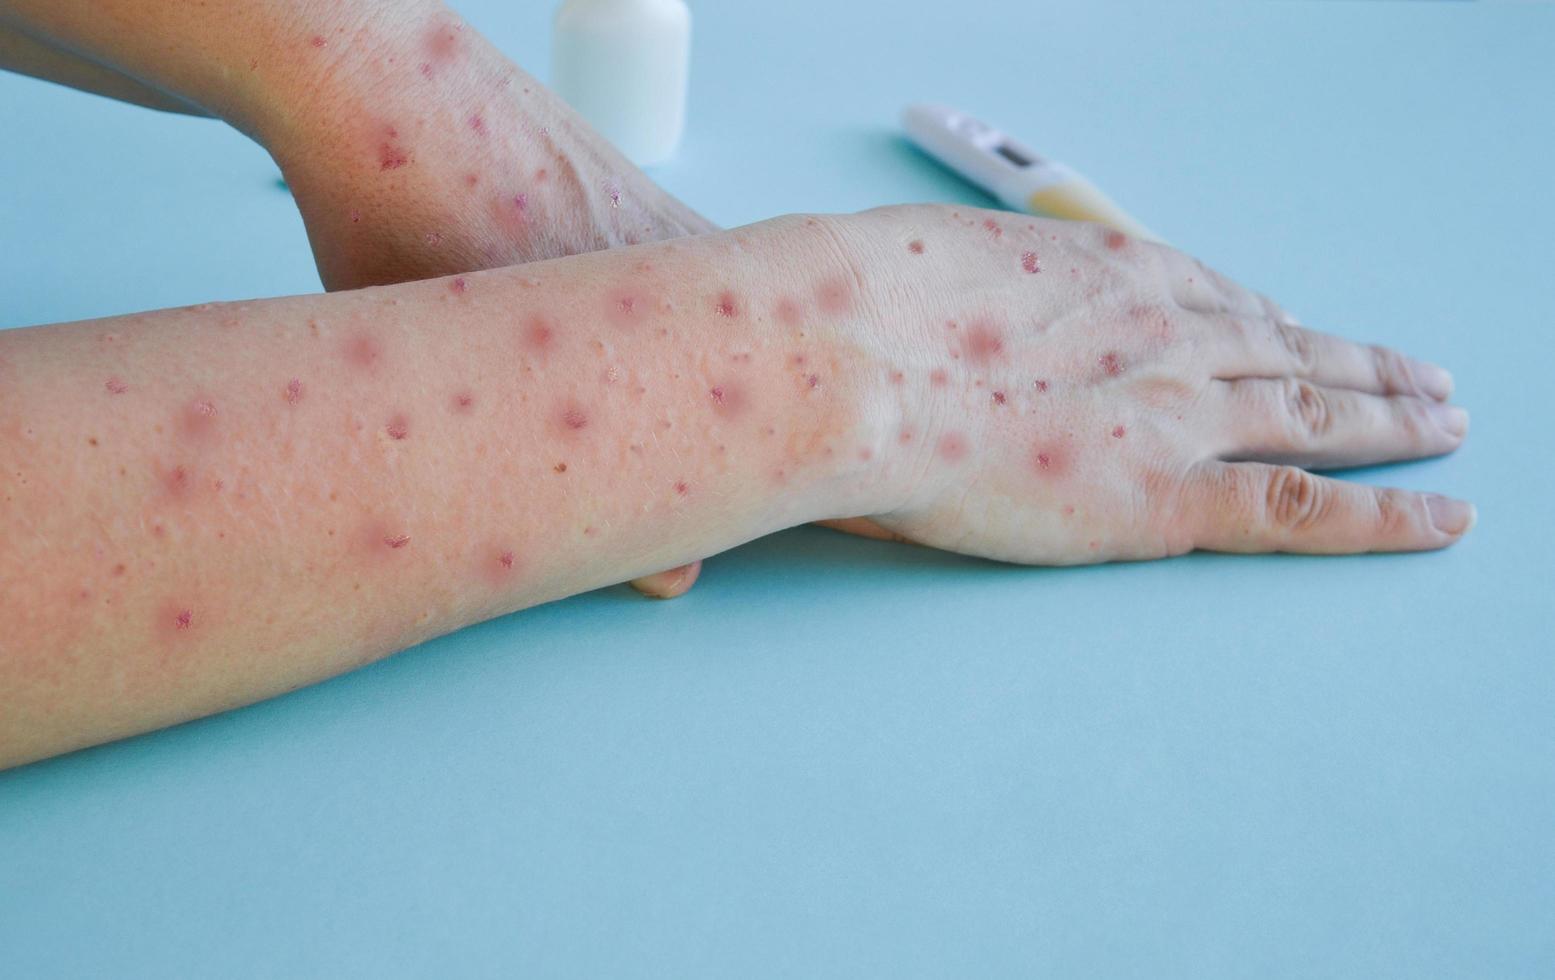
(838, 757)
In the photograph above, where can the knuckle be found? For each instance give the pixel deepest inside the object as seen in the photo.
(1309, 408)
(1296, 500)
(1394, 513)
(1392, 372)
(1298, 345)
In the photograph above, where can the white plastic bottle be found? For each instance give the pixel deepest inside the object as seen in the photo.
(622, 65)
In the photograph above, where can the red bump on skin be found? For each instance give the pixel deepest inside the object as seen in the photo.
(521, 202)
(1112, 363)
(938, 378)
(115, 386)
(1051, 459)
(812, 381)
(198, 418)
(992, 227)
(728, 399)
(952, 447)
(1118, 432)
(788, 312)
(538, 335)
(915, 247)
(625, 308)
(834, 297)
(984, 342)
(682, 487)
(317, 41)
(464, 403)
(998, 398)
(293, 392)
(363, 350)
(505, 560)
(1039, 384)
(442, 42)
(470, 180)
(459, 284)
(560, 467)
(573, 418)
(396, 541)
(398, 427)
(391, 156)
(176, 482)
(726, 305)
(1116, 240)
(1028, 261)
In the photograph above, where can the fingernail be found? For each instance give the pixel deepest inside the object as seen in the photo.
(1434, 380)
(1452, 419)
(1450, 516)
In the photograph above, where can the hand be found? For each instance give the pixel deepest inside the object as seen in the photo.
(1063, 394)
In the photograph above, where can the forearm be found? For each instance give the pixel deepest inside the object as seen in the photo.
(209, 506)
(414, 148)
(26, 55)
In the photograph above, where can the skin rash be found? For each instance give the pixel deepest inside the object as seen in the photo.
(449, 453)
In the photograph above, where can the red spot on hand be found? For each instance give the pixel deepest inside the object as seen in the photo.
(682, 488)
(398, 427)
(1112, 363)
(478, 124)
(505, 559)
(115, 386)
(560, 467)
(1039, 384)
(992, 227)
(725, 305)
(396, 540)
(574, 419)
(788, 312)
(317, 40)
(184, 619)
(1028, 261)
(521, 202)
(1118, 432)
(1052, 458)
(293, 392)
(464, 402)
(938, 378)
(1116, 240)
(984, 342)
(998, 398)
(834, 297)
(812, 381)
(953, 447)
(915, 246)
(459, 284)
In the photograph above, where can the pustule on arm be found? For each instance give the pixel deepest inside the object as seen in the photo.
(211, 505)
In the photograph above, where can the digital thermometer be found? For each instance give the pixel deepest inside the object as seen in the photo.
(1011, 172)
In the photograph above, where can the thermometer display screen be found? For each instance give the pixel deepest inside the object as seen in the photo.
(1013, 155)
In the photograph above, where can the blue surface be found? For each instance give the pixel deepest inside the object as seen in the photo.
(844, 758)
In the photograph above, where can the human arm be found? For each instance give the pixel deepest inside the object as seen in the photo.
(413, 147)
(205, 507)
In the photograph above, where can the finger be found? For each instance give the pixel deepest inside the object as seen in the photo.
(1254, 507)
(670, 584)
(1260, 348)
(1291, 421)
(1198, 288)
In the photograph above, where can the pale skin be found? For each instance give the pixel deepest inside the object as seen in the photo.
(209, 506)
